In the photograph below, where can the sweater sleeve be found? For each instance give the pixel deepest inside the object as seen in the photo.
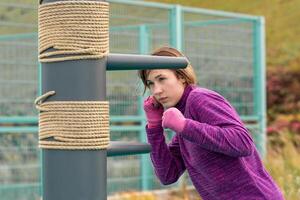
(166, 159)
(216, 126)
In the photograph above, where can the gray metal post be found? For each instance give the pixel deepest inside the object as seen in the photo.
(74, 174)
(78, 174)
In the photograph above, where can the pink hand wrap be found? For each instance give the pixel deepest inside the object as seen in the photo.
(154, 112)
(173, 119)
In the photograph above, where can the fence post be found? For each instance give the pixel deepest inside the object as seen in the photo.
(146, 170)
(259, 73)
(176, 27)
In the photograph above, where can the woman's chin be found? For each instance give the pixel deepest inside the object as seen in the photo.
(167, 105)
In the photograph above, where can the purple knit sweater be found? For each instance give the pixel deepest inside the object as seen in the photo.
(216, 150)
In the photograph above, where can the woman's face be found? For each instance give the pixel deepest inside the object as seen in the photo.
(165, 86)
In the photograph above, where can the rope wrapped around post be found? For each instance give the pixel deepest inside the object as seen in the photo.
(73, 124)
(73, 30)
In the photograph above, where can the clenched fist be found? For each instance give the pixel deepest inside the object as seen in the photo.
(154, 111)
(173, 119)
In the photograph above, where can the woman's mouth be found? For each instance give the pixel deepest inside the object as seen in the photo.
(163, 99)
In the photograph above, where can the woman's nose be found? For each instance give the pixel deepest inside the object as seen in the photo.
(157, 90)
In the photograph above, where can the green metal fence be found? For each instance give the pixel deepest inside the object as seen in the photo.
(226, 49)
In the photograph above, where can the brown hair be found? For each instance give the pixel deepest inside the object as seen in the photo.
(187, 73)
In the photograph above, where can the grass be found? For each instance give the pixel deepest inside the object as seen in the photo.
(283, 163)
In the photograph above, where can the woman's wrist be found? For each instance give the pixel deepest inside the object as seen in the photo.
(154, 124)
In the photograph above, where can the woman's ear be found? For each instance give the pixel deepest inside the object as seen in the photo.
(182, 80)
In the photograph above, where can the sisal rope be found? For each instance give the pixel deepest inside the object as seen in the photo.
(73, 124)
(73, 30)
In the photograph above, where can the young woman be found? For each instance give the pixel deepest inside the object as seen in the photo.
(211, 142)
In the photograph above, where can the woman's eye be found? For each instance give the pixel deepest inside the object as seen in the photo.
(161, 79)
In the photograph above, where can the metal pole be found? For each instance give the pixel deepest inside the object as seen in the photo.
(260, 83)
(74, 174)
(118, 148)
(136, 62)
(259, 92)
(145, 164)
(78, 174)
(176, 27)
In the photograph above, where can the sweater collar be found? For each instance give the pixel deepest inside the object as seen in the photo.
(182, 102)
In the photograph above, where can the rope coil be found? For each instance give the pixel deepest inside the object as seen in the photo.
(73, 30)
(73, 124)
